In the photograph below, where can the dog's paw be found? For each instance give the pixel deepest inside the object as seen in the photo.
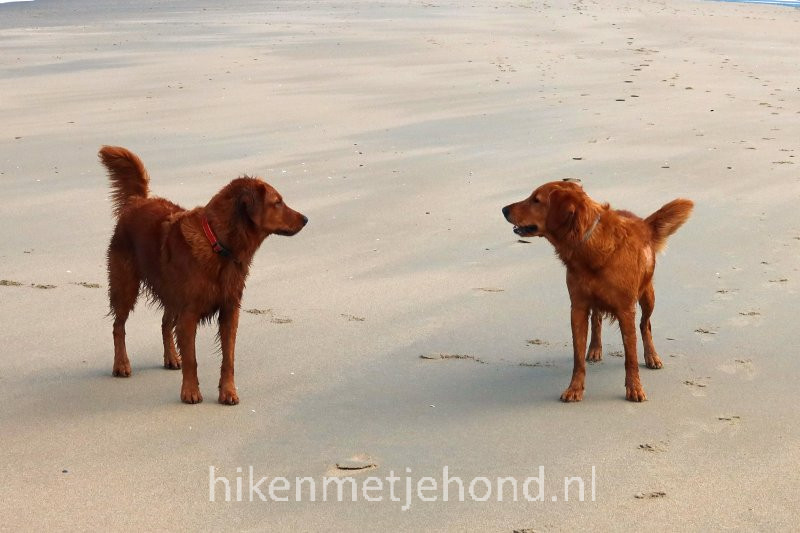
(191, 394)
(172, 362)
(593, 355)
(121, 370)
(653, 361)
(635, 393)
(572, 394)
(228, 396)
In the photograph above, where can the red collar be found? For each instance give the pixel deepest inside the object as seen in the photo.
(215, 244)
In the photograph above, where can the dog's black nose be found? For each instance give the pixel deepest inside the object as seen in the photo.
(506, 209)
(305, 220)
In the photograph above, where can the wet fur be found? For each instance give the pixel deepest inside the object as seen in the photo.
(159, 246)
(610, 257)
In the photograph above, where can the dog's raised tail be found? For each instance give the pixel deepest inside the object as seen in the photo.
(667, 220)
(127, 174)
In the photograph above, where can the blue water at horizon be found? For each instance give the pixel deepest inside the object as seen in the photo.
(788, 3)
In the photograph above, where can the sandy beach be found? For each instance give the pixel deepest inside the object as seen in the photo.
(406, 329)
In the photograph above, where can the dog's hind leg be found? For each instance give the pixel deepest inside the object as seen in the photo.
(647, 301)
(595, 352)
(123, 289)
(171, 358)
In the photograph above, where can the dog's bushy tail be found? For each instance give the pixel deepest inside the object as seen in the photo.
(127, 174)
(667, 220)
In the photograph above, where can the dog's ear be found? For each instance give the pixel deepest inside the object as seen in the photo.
(251, 204)
(561, 211)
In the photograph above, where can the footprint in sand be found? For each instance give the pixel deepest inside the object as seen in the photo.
(725, 294)
(742, 368)
(746, 318)
(705, 333)
(86, 284)
(697, 386)
(537, 342)
(650, 495)
(539, 364)
(444, 356)
(12, 283)
(659, 447)
(353, 318)
(259, 311)
(272, 318)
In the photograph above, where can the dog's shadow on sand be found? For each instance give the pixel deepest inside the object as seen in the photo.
(406, 390)
(402, 386)
(89, 389)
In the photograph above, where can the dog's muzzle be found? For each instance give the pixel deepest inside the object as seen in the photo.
(525, 230)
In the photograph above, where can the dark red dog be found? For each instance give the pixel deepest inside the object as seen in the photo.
(192, 263)
(610, 257)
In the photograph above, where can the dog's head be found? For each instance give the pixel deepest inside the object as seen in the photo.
(554, 211)
(255, 207)
(263, 209)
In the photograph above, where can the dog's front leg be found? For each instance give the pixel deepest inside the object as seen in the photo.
(627, 325)
(595, 352)
(228, 324)
(580, 326)
(186, 330)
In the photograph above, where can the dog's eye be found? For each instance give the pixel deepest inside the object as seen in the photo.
(535, 200)
(279, 203)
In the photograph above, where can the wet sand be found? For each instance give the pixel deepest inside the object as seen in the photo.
(405, 327)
